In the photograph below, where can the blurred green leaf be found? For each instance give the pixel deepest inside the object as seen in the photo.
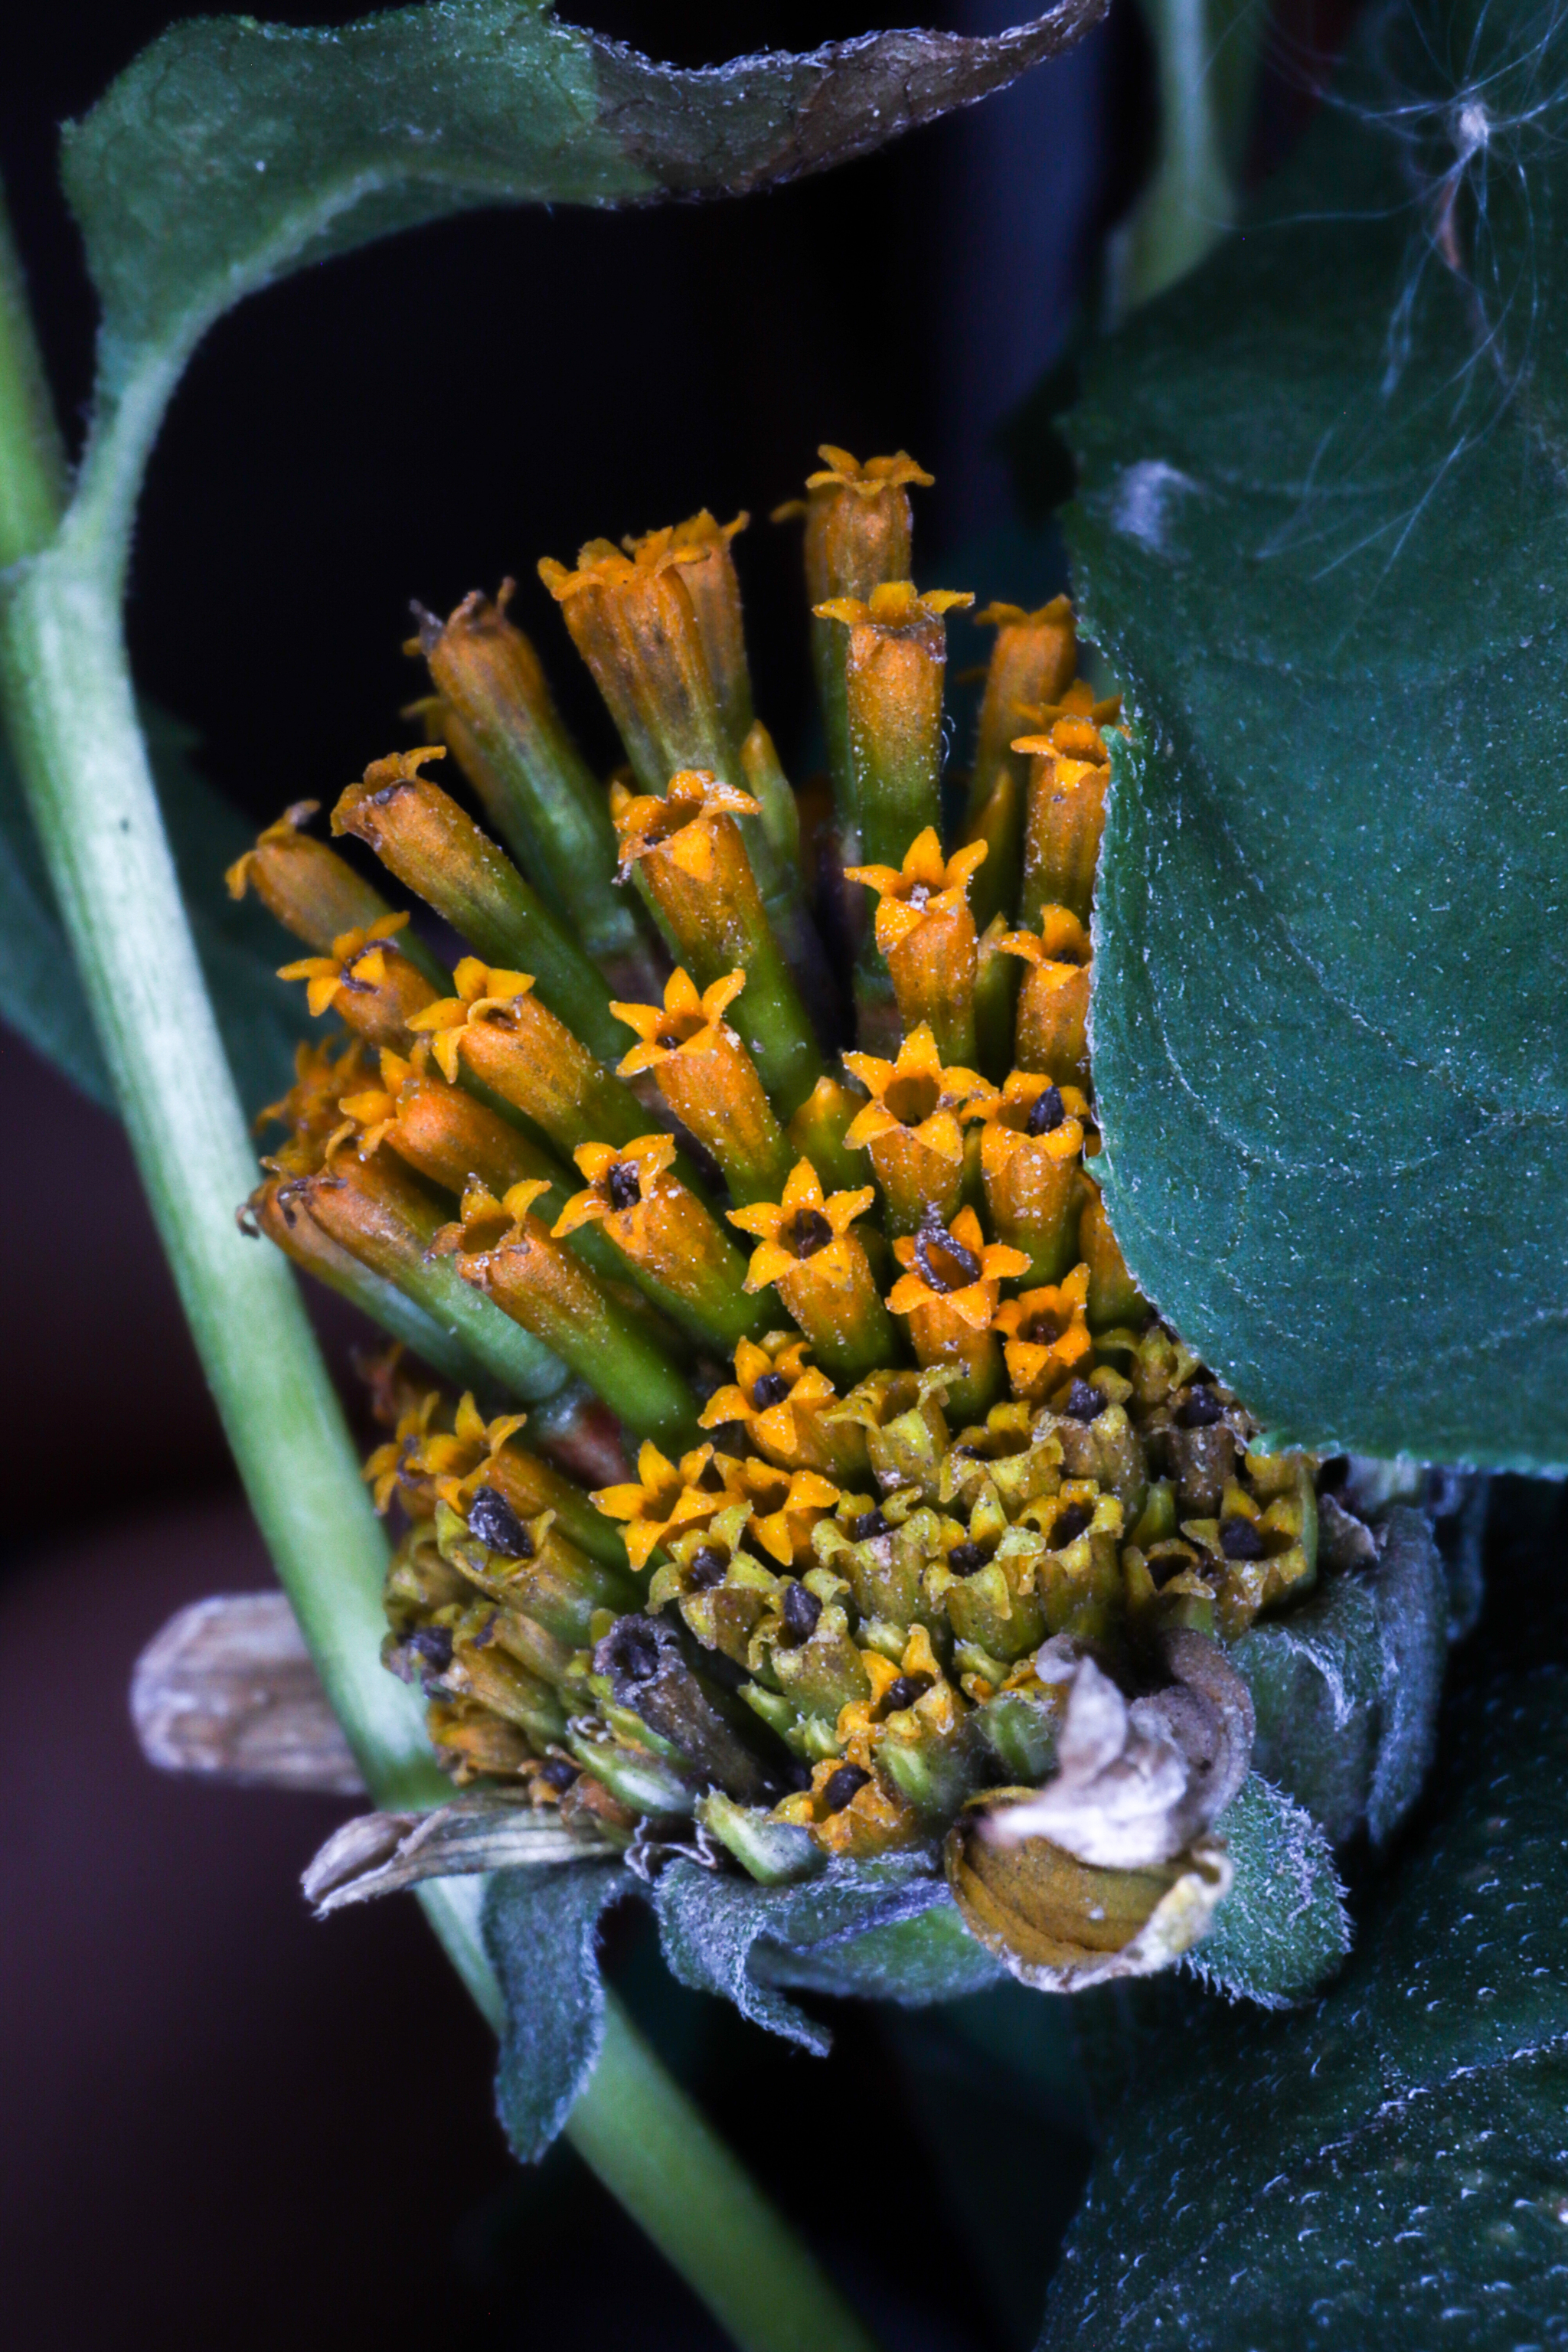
(1390, 2168)
(1322, 532)
(230, 153)
(240, 948)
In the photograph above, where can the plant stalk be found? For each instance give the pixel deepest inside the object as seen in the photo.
(65, 690)
(655, 2152)
(1206, 55)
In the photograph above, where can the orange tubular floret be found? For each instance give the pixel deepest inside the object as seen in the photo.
(496, 1031)
(440, 1129)
(1045, 1337)
(779, 1401)
(1070, 770)
(686, 1263)
(949, 1290)
(667, 1499)
(710, 1081)
(926, 931)
(820, 1270)
(1031, 1153)
(634, 620)
(914, 1128)
(1052, 1032)
(368, 982)
(305, 886)
(692, 859)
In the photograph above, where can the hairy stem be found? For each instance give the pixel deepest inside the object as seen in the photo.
(65, 689)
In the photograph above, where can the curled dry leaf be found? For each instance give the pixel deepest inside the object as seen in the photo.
(380, 1854)
(1137, 1780)
(1106, 1871)
(228, 1689)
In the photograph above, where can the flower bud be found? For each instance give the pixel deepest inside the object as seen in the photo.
(421, 835)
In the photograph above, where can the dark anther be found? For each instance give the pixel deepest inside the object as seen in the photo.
(801, 1611)
(869, 1523)
(1047, 1114)
(904, 1692)
(1085, 1403)
(557, 1774)
(1240, 1539)
(1070, 1525)
(946, 1263)
(432, 1645)
(1200, 1409)
(622, 1185)
(669, 1040)
(772, 1389)
(709, 1567)
(965, 1557)
(494, 1520)
(1042, 1330)
(810, 1233)
(1164, 1565)
(840, 1786)
(630, 1652)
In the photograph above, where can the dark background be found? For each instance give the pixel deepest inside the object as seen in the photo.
(221, 2124)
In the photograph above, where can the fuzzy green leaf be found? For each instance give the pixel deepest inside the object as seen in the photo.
(1322, 534)
(231, 153)
(541, 1931)
(1390, 2168)
(886, 1930)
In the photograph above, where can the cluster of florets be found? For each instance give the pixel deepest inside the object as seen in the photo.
(821, 1429)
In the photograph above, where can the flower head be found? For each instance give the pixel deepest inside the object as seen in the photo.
(923, 1494)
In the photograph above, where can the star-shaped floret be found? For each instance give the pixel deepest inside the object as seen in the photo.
(357, 958)
(894, 604)
(1031, 1108)
(374, 1110)
(927, 885)
(398, 1459)
(917, 1095)
(666, 1498)
(1073, 725)
(1045, 1336)
(785, 1505)
(805, 1226)
(954, 1266)
(770, 1381)
(620, 1178)
(679, 821)
(842, 471)
(481, 988)
(1061, 938)
(685, 1019)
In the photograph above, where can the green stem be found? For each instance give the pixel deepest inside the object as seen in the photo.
(1206, 53)
(66, 692)
(653, 2150)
